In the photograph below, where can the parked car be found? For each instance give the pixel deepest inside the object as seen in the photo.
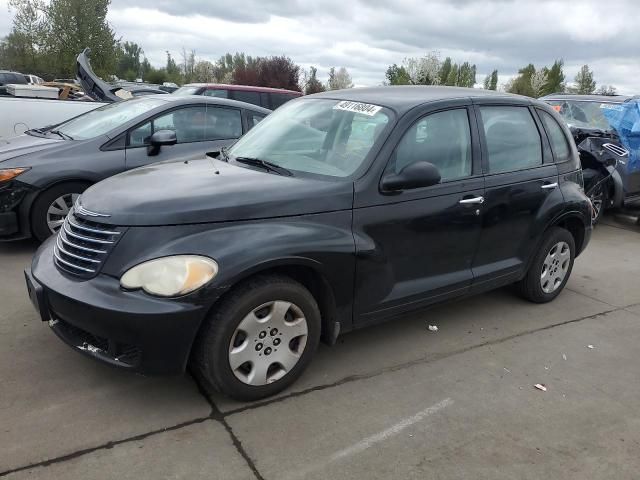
(270, 98)
(33, 79)
(7, 77)
(45, 170)
(616, 118)
(339, 210)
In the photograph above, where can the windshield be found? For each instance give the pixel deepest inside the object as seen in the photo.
(584, 114)
(104, 119)
(317, 136)
(187, 91)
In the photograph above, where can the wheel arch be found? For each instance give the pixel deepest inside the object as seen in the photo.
(308, 273)
(575, 225)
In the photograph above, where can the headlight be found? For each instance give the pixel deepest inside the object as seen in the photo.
(7, 174)
(170, 276)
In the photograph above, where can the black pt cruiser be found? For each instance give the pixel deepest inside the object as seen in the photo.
(339, 210)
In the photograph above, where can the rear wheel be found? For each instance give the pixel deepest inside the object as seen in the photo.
(259, 339)
(599, 198)
(551, 267)
(52, 206)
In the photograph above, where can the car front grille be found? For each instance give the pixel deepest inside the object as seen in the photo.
(82, 246)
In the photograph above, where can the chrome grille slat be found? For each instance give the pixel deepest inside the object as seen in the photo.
(69, 264)
(92, 230)
(83, 238)
(83, 245)
(68, 242)
(79, 257)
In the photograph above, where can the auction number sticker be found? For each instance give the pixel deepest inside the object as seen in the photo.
(357, 107)
(610, 106)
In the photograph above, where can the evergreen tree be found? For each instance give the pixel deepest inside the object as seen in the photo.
(585, 83)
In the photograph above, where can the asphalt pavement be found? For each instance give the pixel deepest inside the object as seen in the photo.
(392, 401)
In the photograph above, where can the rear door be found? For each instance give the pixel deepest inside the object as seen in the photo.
(199, 129)
(521, 186)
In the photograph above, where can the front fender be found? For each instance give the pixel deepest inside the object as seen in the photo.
(322, 242)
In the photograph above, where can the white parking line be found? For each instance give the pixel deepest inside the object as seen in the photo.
(368, 442)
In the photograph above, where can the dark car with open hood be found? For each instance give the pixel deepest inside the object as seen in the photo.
(338, 211)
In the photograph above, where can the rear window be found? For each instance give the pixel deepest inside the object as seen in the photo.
(216, 92)
(187, 91)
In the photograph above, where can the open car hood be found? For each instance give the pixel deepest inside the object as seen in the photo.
(93, 86)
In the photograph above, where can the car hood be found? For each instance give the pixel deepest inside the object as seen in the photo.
(207, 190)
(11, 148)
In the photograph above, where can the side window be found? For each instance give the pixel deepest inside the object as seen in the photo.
(139, 136)
(443, 139)
(223, 123)
(513, 140)
(254, 119)
(558, 139)
(216, 92)
(278, 99)
(245, 96)
(188, 123)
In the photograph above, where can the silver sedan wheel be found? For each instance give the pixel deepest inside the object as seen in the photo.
(59, 209)
(555, 267)
(268, 343)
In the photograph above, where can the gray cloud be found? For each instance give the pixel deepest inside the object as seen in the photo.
(367, 35)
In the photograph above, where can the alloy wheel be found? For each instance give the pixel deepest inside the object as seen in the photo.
(555, 267)
(268, 343)
(597, 202)
(59, 209)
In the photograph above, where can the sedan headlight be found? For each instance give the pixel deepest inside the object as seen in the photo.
(7, 174)
(170, 276)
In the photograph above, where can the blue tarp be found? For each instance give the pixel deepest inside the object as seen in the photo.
(625, 119)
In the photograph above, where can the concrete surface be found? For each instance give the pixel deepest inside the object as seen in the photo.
(392, 401)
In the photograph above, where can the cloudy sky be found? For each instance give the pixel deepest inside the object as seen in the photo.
(367, 35)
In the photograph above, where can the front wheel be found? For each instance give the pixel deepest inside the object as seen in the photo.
(260, 338)
(551, 267)
(52, 206)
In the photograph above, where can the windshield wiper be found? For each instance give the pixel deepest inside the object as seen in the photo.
(64, 136)
(270, 167)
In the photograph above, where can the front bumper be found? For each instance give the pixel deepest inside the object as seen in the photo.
(130, 330)
(15, 201)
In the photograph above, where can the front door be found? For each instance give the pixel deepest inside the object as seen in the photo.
(416, 247)
(520, 183)
(199, 129)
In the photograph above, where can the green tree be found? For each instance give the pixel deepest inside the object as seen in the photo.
(73, 25)
(128, 64)
(445, 69)
(585, 84)
(453, 77)
(555, 79)
(397, 75)
(522, 83)
(466, 75)
(312, 84)
(339, 79)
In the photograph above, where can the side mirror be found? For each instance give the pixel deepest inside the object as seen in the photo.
(160, 138)
(414, 175)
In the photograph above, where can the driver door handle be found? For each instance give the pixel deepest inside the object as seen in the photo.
(549, 186)
(471, 201)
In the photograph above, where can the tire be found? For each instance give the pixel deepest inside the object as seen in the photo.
(533, 286)
(214, 351)
(599, 198)
(39, 212)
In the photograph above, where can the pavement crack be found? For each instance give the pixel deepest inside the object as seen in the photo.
(218, 416)
(104, 446)
(419, 361)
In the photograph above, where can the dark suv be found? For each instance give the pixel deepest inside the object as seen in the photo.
(339, 210)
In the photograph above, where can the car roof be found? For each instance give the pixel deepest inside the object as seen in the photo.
(249, 88)
(587, 98)
(402, 98)
(189, 99)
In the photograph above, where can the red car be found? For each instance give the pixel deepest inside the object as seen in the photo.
(270, 98)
